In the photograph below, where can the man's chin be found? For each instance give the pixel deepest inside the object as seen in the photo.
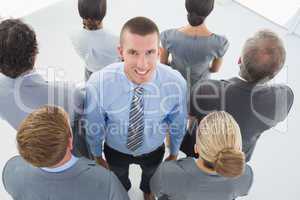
(142, 80)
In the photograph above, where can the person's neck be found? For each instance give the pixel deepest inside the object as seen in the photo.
(66, 159)
(202, 167)
(200, 30)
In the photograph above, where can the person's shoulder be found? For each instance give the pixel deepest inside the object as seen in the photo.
(75, 34)
(168, 31)
(168, 35)
(282, 87)
(15, 160)
(209, 85)
(170, 75)
(211, 81)
(96, 173)
(110, 34)
(177, 167)
(284, 91)
(108, 74)
(220, 38)
(246, 178)
(96, 170)
(15, 170)
(245, 181)
(79, 37)
(220, 41)
(274, 90)
(14, 166)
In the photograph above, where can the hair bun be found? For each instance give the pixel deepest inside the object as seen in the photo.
(224, 151)
(230, 162)
(194, 19)
(90, 24)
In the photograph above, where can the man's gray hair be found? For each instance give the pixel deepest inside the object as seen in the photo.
(263, 56)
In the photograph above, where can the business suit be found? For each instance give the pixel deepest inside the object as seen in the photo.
(183, 179)
(256, 108)
(83, 181)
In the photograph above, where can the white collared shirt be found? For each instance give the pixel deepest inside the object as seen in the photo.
(64, 167)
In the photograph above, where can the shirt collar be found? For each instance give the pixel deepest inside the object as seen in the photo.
(258, 84)
(64, 167)
(148, 87)
(242, 79)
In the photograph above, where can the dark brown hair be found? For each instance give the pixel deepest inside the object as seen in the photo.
(140, 26)
(92, 12)
(18, 47)
(198, 10)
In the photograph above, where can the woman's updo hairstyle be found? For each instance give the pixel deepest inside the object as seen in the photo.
(92, 12)
(219, 143)
(198, 10)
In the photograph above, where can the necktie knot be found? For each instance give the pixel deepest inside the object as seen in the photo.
(139, 90)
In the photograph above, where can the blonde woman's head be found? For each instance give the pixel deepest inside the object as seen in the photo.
(219, 144)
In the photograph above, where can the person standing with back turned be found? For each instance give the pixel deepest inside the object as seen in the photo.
(46, 167)
(196, 51)
(94, 44)
(219, 173)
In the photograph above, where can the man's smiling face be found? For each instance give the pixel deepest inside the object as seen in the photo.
(140, 54)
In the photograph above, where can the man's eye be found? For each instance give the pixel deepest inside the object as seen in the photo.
(132, 52)
(150, 52)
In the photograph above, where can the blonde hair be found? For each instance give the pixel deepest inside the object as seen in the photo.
(219, 143)
(43, 136)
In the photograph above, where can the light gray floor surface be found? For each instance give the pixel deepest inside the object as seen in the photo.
(275, 161)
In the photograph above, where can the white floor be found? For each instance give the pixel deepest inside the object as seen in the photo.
(275, 161)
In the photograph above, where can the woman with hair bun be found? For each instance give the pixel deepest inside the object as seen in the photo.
(196, 51)
(220, 172)
(95, 45)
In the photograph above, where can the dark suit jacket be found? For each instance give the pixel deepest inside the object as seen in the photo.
(256, 108)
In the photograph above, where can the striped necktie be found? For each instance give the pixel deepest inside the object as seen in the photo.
(136, 120)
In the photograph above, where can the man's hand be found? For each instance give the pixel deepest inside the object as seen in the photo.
(102, 162)
(171, 157)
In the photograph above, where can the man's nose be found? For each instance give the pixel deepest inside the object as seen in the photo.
(141, 62)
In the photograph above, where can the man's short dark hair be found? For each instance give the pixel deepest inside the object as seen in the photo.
(92, 9)
(198, 10)
(263, 56)
(140, 26)
(18, 47)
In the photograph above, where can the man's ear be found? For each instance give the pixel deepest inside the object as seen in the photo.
(70, 142)
(159, 52)
(239, 61)
(196, 149)
(120, 51)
